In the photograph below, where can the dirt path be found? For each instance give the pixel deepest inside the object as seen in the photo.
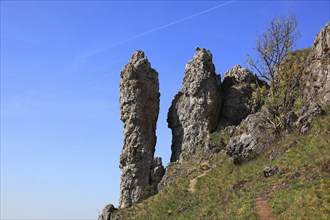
(206, 168)
(193, 182)
(263, 209)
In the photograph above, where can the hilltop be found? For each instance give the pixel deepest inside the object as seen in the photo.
(240, 148)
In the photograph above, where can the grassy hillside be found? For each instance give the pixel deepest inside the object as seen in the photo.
(299, 190)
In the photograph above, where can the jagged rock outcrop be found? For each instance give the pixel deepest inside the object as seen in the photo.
(238, 85)
(106, 212)
(139, 108)
(307, 84)
(317, 70)
(258, 131)
(202, 105)
(196, 108)
(304, 116)
(251, 138)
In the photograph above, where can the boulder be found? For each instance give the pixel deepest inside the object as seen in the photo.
(251, 138)
(238, 85)
(270, 171)
(106, 212)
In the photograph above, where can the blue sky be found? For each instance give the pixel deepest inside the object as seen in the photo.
(61, 135)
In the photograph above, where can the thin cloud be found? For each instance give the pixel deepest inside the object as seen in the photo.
(163, 27)
(84, 57)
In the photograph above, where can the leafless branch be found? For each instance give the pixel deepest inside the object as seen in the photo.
(273, 45)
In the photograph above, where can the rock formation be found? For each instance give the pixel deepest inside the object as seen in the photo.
(238, 85)
(304, 115)
(196, 108)
(317, 76)
(106, 212)
(258, 131)
(251, 138)
(311, 84)
(205, 105)
(139, 108)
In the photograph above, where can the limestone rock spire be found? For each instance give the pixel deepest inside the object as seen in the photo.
(196, 108)
(139, 108)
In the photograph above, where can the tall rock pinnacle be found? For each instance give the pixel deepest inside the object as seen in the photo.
(139, 108)
(196, 108)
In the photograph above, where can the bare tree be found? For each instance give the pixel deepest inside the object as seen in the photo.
(273, 45)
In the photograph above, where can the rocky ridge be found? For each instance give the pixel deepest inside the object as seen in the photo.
(245, 128)
(311, 79)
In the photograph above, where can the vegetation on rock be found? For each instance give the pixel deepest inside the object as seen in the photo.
(275, 153)
(229, 191)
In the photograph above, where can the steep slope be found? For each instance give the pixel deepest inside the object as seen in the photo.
(261, 163)
(300, 88)
(301, 179)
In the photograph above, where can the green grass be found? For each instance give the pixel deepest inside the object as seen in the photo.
(300, 190)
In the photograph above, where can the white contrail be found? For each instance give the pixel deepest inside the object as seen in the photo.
(164, 26)
(90, 54)
(144, 34)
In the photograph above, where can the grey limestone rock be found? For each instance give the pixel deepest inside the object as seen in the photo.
(251, 138)
(304, 115)
(238, 85)
(257, 132)
(196, 108)
(106, 212)
(139, 108)
(317, 79)
(270, 171)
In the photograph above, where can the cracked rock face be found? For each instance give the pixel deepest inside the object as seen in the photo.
(139, 108)
(251, 138)
(238, 85)
(317, 82)
(196, 108)
(106, 213)
(304, 115)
